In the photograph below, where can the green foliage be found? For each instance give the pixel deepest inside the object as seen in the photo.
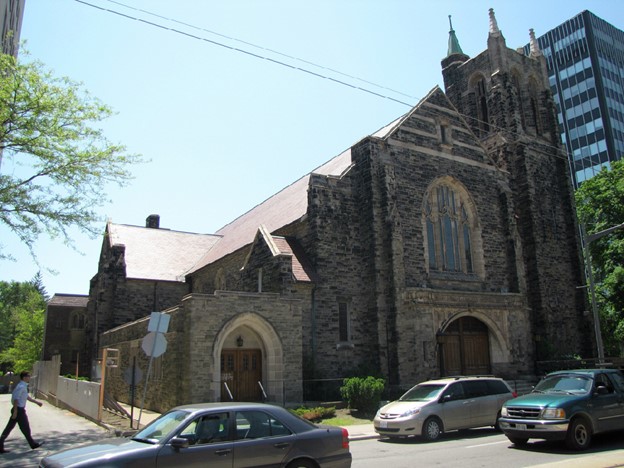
(22, 309)
(600, 206)
(315, 414)
(73, 377)
(363, 394)
(56, 161)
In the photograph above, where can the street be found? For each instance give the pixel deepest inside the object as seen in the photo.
(483, 448)
(471, 448)
(59, 428)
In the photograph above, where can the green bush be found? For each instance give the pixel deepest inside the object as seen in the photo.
(363, 394)
(315, 414)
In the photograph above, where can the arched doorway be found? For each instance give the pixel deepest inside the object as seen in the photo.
(465, 348)
(241, 365)
(248, 358)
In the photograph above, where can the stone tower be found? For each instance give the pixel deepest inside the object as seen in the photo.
(505, 97)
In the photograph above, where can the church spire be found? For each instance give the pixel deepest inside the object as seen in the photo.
(453, 43)
(494, 31)
(534, 46)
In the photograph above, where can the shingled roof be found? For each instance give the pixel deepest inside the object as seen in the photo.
(283, 208)
(288, 205)
(69, 300)
(159, 254)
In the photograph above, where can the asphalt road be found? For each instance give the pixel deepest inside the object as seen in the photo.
(59, 428)
(485, 448)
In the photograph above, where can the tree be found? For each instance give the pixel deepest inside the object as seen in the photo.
(600, 206)
(57, 162)
(22, 310)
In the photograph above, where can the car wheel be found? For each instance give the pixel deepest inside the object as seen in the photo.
(496, 425)
(518, 440)
(432, 429)
(302, 463)
(579, 434)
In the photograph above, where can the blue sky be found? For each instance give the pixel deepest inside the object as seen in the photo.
(223, 130)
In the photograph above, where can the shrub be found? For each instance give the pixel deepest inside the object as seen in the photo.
(363, 394)
(315, 414)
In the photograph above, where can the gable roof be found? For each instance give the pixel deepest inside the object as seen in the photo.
(69, 300)
(301, 267)
(283, 208)
(291, 203)
(158, 254)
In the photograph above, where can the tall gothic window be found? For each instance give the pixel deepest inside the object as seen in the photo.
(534, 103)
(449, 234)
(482, 108)
(516, 84)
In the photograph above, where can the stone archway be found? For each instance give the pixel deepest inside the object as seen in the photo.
(465, 347)
(248, 354)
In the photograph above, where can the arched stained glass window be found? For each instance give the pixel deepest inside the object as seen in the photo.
(449, 236)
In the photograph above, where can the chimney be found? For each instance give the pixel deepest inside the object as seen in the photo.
(152, 221)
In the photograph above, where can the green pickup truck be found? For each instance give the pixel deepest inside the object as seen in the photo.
(567, 405)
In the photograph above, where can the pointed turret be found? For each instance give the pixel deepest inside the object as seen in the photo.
(497, 47)
(453, 42)
(455, 54)
(534, 46)
(494, 31)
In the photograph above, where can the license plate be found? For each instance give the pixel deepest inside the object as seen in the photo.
(383, 424)
(521, 427)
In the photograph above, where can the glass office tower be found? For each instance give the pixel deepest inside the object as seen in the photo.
(585, 57)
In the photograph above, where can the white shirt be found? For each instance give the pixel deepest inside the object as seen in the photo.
(20, 393)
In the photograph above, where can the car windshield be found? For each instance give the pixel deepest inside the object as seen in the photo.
(565, 383)
(423, 392)
(161, 427)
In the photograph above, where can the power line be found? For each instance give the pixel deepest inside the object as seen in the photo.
(166, 18)
(246, 52)
(304, 70)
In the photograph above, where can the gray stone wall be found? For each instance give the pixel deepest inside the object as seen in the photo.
(188, 372)
(540, 194)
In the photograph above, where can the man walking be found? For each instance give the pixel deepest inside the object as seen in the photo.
(18, 413)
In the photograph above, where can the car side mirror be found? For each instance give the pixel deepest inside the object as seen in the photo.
(446, 398)
(179, 443)
(602, 390)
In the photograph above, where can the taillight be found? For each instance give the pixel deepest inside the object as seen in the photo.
(514, 394)
(345, 438)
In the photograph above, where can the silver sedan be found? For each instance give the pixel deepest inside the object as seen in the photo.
(219, 435)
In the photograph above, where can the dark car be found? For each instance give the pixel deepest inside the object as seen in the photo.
(567, 405)
(233, 435)
(437, 406)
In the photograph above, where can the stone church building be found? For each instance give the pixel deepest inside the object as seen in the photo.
(445, 243)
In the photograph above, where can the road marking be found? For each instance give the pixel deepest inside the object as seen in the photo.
(491, 443)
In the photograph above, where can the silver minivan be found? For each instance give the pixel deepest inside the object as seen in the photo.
(436, 406)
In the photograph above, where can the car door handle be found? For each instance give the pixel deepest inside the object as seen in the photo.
(281, 445)
(223, 452)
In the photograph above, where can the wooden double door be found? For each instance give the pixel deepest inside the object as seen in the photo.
(241, 372)
(465, 348)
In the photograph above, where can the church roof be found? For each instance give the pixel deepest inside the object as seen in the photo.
(282, 209)
(159, 254)
(291, 204)
(69, 300)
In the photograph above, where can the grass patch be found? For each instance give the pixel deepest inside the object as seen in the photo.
(345, 417)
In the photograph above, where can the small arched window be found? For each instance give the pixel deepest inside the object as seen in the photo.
(479, 88)
(534, 106)
(449, 230)
(515, 79)
(220, 283)
(78, 321)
